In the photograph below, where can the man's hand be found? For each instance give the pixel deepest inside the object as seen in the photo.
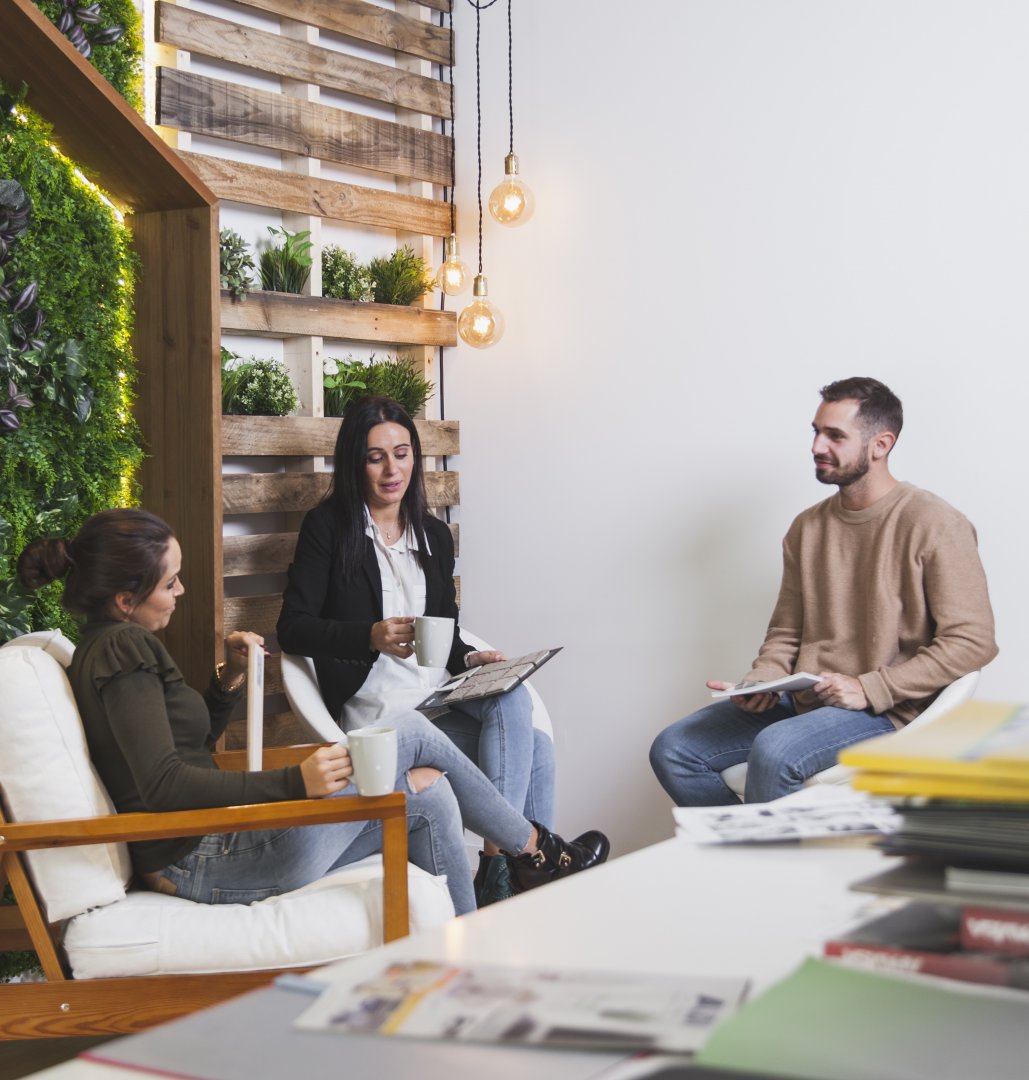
(748, 702)
(841, 691)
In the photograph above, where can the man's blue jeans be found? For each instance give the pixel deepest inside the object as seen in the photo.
(782, 749)
(497, 734)
(239, 868)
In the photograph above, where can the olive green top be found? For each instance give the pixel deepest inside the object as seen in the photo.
(151, 736)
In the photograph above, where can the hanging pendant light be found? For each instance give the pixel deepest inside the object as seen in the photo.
(511, 202)
(452, 276)
(480, 324)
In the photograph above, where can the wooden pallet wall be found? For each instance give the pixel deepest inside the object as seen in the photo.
(307, 132)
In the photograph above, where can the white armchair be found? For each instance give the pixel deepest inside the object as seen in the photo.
(949, 698)
(128, 957)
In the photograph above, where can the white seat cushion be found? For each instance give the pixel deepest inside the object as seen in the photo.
(46, 774)
(148, 933)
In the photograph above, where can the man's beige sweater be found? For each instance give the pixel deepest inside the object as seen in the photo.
(894, 594)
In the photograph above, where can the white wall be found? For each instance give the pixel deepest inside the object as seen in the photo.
(738, 201)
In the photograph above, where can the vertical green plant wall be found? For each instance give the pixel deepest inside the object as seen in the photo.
(59, 464)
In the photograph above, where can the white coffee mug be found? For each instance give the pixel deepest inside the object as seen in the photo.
(433, 637)
(373, 753)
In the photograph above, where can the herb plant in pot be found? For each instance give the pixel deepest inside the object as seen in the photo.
(286, 267)
(256, 387)
(400, 278)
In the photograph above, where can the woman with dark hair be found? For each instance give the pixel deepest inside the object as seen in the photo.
(151, 739)
(369, 560)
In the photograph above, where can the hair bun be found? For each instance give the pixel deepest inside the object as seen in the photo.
(44, 561)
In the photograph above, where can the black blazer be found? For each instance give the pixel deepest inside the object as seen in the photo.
(329, 618)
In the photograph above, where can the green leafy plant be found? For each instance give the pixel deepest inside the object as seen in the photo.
(235, 264)
(286, 267)
(400, 278)
(343, 383)
(108, 33)
(397, 377)
(343, 277)
(256, 387)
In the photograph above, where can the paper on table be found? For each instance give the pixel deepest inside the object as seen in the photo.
(800, 680)
(822, 811)
(535, 1007)
(830, 1020)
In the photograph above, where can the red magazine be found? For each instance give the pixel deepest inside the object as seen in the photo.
(925, 938)
(995, 930)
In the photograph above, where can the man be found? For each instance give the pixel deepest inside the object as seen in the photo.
(883, 597)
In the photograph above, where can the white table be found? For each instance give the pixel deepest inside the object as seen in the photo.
(672, 908)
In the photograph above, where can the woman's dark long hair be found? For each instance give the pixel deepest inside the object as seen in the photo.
(115, 551)
(347, 495)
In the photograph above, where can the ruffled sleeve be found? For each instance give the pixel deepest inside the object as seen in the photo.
(126, 649)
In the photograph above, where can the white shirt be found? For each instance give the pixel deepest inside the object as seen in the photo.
(395, 684)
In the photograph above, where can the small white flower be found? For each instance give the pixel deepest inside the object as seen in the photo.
(329, 366)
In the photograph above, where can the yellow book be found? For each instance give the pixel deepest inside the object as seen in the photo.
(925, 785)
(979, 740)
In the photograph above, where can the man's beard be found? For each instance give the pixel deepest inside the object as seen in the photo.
(844, 477)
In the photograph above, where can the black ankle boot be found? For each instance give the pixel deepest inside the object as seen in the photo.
(556, 858)
(492, 881)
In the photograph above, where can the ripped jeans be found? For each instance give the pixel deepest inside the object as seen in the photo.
(240, 868)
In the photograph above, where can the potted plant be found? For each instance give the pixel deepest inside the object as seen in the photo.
(343, 277)
(236, 265)
(343, 383)
(400, 278)
(256, 387)
(286, 267)
(397, 377)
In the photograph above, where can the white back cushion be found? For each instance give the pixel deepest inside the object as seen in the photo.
(46, 774)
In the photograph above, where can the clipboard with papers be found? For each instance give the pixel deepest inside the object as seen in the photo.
(485, 681)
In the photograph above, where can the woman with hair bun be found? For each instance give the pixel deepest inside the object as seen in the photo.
(151, 739)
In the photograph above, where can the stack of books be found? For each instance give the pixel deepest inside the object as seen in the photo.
(961, 788)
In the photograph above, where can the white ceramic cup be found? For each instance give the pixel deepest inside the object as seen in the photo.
(433, 636)
(373, 753)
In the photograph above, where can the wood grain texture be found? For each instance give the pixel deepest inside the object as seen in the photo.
(225, 110)
(277, 55)
(265, 553)
(256, 613)
(275, 493)
(179, 413)
(280, 729)
(366, 22)
(306, 436)
(129, 160)
(271, 553)
(333, 200)
(265, 314)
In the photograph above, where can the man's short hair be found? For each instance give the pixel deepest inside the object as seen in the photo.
(880, 408)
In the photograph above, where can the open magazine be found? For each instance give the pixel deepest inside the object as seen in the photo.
(595, 1010)
(485, 681)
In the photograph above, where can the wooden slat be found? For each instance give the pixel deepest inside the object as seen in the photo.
(266, 553)
(225, 110)
(265, 314)
(278, 55)
(307, 436)
(366, 22)
(436, 5)
(333, 200)
(271, 553)
(273, 493)
(256, 613)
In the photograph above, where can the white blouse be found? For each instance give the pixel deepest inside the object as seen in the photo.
(395, 684)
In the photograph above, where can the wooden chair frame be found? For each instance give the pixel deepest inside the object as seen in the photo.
(64, 1006)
